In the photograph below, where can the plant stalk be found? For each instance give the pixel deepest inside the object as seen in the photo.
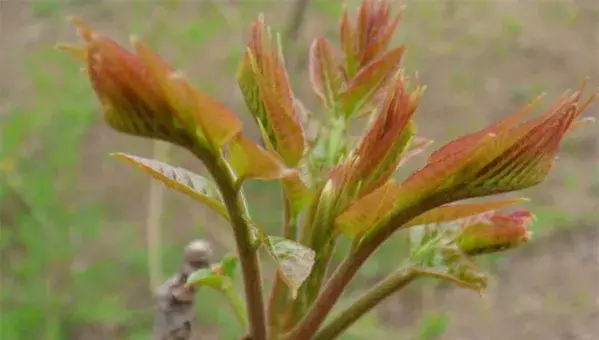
(311, 322)
(248, 252)
(279, 293)
(325, 302)
(393, 283)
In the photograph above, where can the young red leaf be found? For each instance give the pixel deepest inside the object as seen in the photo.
(132, 103)
(139, 97)
(375, 29)
(495, 232)
(181, 180)
(514, 158)
(196, 111)
(453, 212)
(363, 214)
(504, 157)
(250, 161)
(416, 147)
(368, 81)
(324, 71)
(265, 85)
(468, 142)
(378, 154)
(371, 36)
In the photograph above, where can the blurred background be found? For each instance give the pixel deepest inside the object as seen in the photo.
(74, 222)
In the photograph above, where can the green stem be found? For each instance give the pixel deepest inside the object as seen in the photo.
(278, 299)
(237, 305)
(325, 302)
(322, 243)
(366, 302)
(248, 254)
(314, 283)
(321, 307)
(290, 226)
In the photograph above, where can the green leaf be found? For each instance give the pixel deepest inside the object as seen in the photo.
(222, 283)
(228, 265)
(207, 277)
(433, 326)
(298, 190)
(434, 254)
(181, 180)
(294, 261)
(250, 161)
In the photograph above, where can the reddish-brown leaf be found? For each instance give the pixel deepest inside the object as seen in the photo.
(380, 31)
(507, 157)
(369, 80)
(347, 34)
(496, 233)
(324, 71)
(192, 108)
(140, 96)
(416, 147)
(370, 38)
(362, 215)
(469, 141)
(250, 161)
(264, 82)
(453, 212)
(377, 155)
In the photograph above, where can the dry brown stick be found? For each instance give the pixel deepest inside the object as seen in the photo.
(154, 212)
(175, 312)
(298, 16)
(297, 19)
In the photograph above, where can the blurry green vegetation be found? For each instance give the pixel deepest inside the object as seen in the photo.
(51, 285)
(433, 326)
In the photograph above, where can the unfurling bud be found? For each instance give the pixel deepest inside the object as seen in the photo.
(371, 36)
(355, 83)
(507, 156)
(140, 95)
(325, 73)
(380, 151)
(263, 80)
(494, 232)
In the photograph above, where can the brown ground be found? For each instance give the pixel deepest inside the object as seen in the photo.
(479, 60)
